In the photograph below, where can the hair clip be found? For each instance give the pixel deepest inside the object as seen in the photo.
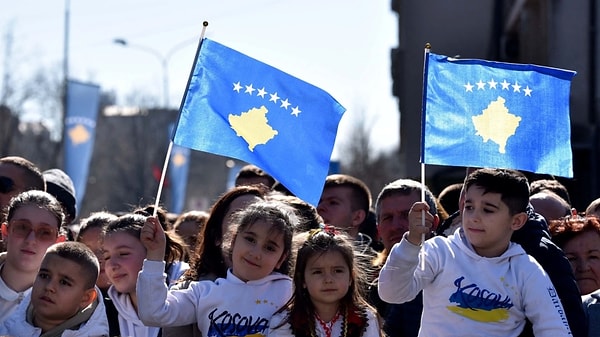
(331, 230)
(327, 229)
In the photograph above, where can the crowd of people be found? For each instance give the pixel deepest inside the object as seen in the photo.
(496, 255)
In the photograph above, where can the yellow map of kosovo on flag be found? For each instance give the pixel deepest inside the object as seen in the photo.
(496, 123)
(253, 126)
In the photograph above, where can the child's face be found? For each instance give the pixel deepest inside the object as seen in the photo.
(59, 291)
(257, 251)
(327, 279)
(27, 235)
(487, 222)
(92, 238)
(124, 255)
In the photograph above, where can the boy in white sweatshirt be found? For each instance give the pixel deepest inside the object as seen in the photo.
(475, 282)
(64, 300)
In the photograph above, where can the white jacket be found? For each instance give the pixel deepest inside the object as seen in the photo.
(95, 326)
(225, 307)
(465, 294)
(130, 324)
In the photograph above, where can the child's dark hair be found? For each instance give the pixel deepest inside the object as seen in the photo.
(300, 308)
(80, 254)
(94, 220)
(177, 249)
(308, 217)
(510, 184)
(208, 257)
(132, 224)
(38, 199)
(279, 215)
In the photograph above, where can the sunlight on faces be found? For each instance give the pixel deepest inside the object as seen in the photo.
(487, 222)
(335, 206)
(124, 255)
(327, 278)
(393, 217)
(92, 237)
(59, 291)
(257, 251)
(583, 252)
(27, 236)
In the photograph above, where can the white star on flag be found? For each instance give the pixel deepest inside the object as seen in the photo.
(505, 85)
(237, 87)
(296, 111)
(492, 84)
(285, 104)
(249, 89)
(469, 87)
(480, 85)
(274, 98)
(261, 92)
(516, 87)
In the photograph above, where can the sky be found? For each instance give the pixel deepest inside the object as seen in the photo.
(341, 46)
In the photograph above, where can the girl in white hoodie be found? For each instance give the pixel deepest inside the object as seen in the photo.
(124, 254)
(258, 244)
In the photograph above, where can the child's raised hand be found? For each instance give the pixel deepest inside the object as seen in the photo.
(154, 239)
(415, 222)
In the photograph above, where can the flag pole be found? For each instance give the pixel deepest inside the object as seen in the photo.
(425, 58)
(170, 148)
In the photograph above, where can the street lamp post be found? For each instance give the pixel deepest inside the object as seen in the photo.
(163, 59)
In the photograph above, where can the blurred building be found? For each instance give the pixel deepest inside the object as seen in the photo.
(553, 33)
(129, 153)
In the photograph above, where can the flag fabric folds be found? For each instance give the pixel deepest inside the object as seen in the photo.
(83, 100)
(481, 113)
(242, 108)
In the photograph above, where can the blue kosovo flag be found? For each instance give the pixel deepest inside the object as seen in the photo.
(481, 113)
(83, 101)
(242, 108)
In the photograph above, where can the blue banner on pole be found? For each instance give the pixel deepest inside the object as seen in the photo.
(179, 166)
(83, 101)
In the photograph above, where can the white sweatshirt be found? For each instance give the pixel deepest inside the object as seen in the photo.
(465, 294)
(225, 307)
(129, 323)
(95, 326)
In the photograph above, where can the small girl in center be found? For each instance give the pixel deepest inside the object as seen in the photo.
(327, 300)
(258, 243)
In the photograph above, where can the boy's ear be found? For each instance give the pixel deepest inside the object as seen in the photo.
(61, 238)
(358, 217)
(4, 230)
(519, 221)
(436, 222)
(88, 297)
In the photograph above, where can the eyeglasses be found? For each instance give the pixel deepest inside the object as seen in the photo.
(22, 229)
(7, 185)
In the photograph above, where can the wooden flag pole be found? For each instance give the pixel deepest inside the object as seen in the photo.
(168, 156)
(425, 57)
